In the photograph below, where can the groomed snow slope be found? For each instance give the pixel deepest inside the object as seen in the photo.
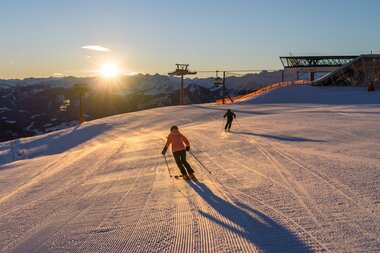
(294, 175)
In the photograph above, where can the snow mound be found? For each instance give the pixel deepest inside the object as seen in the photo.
(318, 95)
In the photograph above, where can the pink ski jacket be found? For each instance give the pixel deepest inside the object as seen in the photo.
(178, 141)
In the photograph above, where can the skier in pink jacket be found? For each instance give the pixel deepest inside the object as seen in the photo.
(179, 147)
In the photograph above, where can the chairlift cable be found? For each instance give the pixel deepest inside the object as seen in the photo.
(229, 71)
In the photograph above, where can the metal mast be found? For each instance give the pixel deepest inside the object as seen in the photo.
(182, 70)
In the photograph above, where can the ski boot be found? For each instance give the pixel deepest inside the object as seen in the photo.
(192, 177)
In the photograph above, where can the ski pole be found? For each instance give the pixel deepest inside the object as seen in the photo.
(167, 166)
(200, 162)
(239, 124)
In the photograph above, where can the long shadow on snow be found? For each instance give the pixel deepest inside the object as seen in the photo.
(262, 231)
(235, 110)
(342, 112)
(56, 143)
(280, 138)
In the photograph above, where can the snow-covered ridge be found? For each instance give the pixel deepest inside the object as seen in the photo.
(319, 95)
(158, 82)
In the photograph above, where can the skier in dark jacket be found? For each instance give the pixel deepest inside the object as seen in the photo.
(230, 117)
(180, 145)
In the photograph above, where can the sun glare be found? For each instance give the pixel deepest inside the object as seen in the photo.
(109, 70)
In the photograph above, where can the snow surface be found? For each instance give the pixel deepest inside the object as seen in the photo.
(298, 173)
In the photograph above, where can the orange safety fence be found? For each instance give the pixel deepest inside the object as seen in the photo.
(260, 91)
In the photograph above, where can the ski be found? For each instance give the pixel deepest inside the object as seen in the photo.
(181, 177)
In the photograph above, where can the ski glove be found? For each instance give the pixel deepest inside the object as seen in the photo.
(188, 148)
(164, 150)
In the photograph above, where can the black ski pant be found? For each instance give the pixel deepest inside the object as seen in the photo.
(180, 159)
(228, 124)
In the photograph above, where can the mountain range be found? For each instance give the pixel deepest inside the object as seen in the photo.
(34, 106)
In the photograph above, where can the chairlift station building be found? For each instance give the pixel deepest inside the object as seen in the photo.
(349, 70)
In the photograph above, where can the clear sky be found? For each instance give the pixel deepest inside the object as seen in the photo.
(41, 38)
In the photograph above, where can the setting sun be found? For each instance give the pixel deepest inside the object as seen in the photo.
(109, 70)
